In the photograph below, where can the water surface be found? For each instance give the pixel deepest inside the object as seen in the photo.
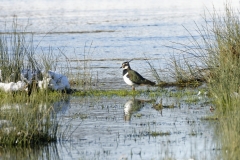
(112, 31)
(110, 128)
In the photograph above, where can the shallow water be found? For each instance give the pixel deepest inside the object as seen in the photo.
(110, 128)
(106, 133)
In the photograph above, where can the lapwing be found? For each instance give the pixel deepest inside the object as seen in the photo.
(132, 77)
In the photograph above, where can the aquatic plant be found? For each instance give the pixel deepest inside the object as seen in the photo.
(182, 72)
(27, 124)
(107, 93)
(224, 81)
(219, 52)
(155, 133)
(12, 58)
(79, 70)
(26, 118)
(214, 60)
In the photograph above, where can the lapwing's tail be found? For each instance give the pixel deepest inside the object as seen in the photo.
(148, 82)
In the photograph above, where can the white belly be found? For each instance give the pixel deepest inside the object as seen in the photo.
(127, 80)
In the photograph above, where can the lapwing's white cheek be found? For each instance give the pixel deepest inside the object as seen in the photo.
(125, 67)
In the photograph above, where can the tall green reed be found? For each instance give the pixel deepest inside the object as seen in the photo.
(225, 80)
(25, 119)
(218, 51)
(26, 125)
(12, 52)
(79, 69)
(215, 59)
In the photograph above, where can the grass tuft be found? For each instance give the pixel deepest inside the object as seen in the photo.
(219, 52)
(155, 133)
(25, 119)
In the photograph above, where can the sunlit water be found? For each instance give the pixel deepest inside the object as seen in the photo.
(110, 32)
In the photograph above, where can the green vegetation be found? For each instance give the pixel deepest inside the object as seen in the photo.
(210, 118)
(25, 119)
(22, 96)
(224, 82)
(215, 61)
(158, 106)
(28, 120)
(155, 134)
(138, 115)
(181, 83)
(27, 124)
(78, 70)
(108, 93)
(17, 52)
(218, 53)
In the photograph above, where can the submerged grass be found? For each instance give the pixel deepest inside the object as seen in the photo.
(188, 93)
(108, 93)
(25, 124)
(22, 96)
(155, 133)
(28, 120)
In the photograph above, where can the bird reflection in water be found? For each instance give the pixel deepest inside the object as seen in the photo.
(133, 106)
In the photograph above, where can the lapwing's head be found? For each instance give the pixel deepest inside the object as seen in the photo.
(126, 65)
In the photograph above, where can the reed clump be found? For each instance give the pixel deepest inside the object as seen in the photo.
(219, 52)
(79, 69)
(183, 74)
(27, 124)
(25, 119)
(214, 59)
(224, 83)
(16, 53)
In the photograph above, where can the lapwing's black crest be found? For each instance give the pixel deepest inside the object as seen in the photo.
(132, 77)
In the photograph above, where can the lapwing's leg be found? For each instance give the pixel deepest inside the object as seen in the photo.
(133, 88)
